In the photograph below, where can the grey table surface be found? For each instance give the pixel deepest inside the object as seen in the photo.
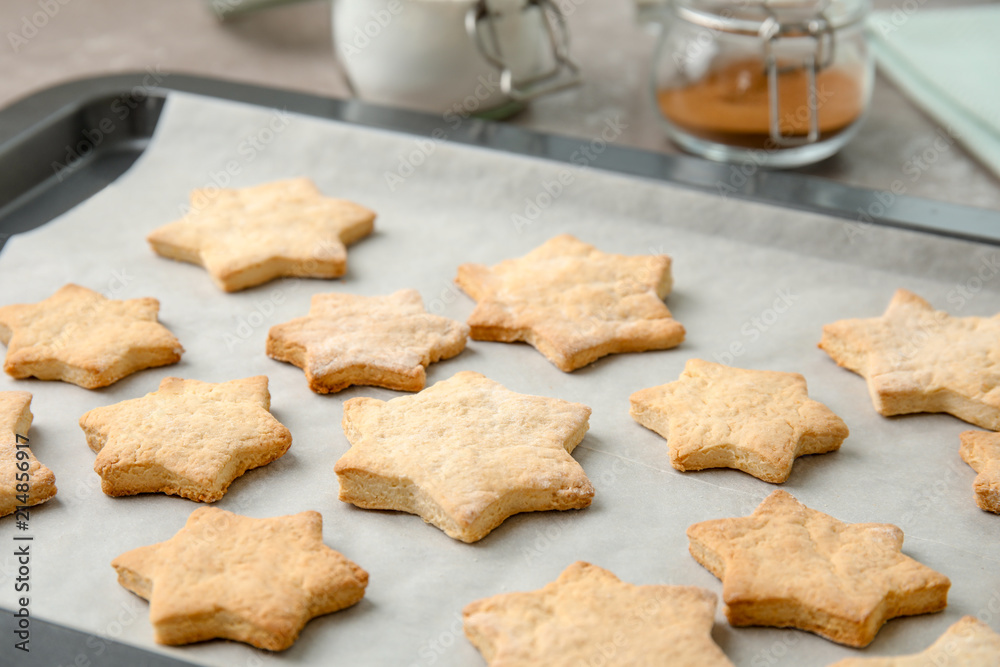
(291, 48)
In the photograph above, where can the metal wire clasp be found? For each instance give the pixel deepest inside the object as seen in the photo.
(563, 74)
(772, 30)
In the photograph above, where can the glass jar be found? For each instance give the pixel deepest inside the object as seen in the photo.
(781, 82)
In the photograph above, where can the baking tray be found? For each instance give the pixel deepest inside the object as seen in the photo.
(53, 154)
(38, 183)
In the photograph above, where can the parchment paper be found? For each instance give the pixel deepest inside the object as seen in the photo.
(754, 278)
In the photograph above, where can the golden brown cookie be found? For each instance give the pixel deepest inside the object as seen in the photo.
(981, 450)
(573, 302)
(257, 581)
(787, 565)
(188, 438)
(464, 454)
(248, 236)
(78, 336)
(715, 416)
(590, 617)
(917, 359)
(23, 480)
(384, 341)
(967, 643)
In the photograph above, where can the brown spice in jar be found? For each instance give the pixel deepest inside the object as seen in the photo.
(730, 105)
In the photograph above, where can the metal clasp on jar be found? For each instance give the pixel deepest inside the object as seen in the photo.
(563, 74)
(771, 32)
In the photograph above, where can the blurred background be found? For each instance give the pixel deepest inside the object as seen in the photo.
(50, 41)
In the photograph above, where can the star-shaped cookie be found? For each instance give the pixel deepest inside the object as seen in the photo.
(917, 359)
(23, 480)
(248, 236)
(78, 336)
(967, 643)
(715, 416)
(787, 565)
(587, 615)
(257, 581)
(573, 302)
(981, 450)
(464, 454)
(188, 438)
(385, 341)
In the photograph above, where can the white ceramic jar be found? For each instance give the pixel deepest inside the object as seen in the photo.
(483, 57)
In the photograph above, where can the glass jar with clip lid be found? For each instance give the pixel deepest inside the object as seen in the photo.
(783, 83)
(487, 58)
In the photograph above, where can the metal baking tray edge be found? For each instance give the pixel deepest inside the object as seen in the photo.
(54, 154)
(53, 142)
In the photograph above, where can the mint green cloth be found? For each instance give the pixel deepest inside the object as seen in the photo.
(948, 62)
